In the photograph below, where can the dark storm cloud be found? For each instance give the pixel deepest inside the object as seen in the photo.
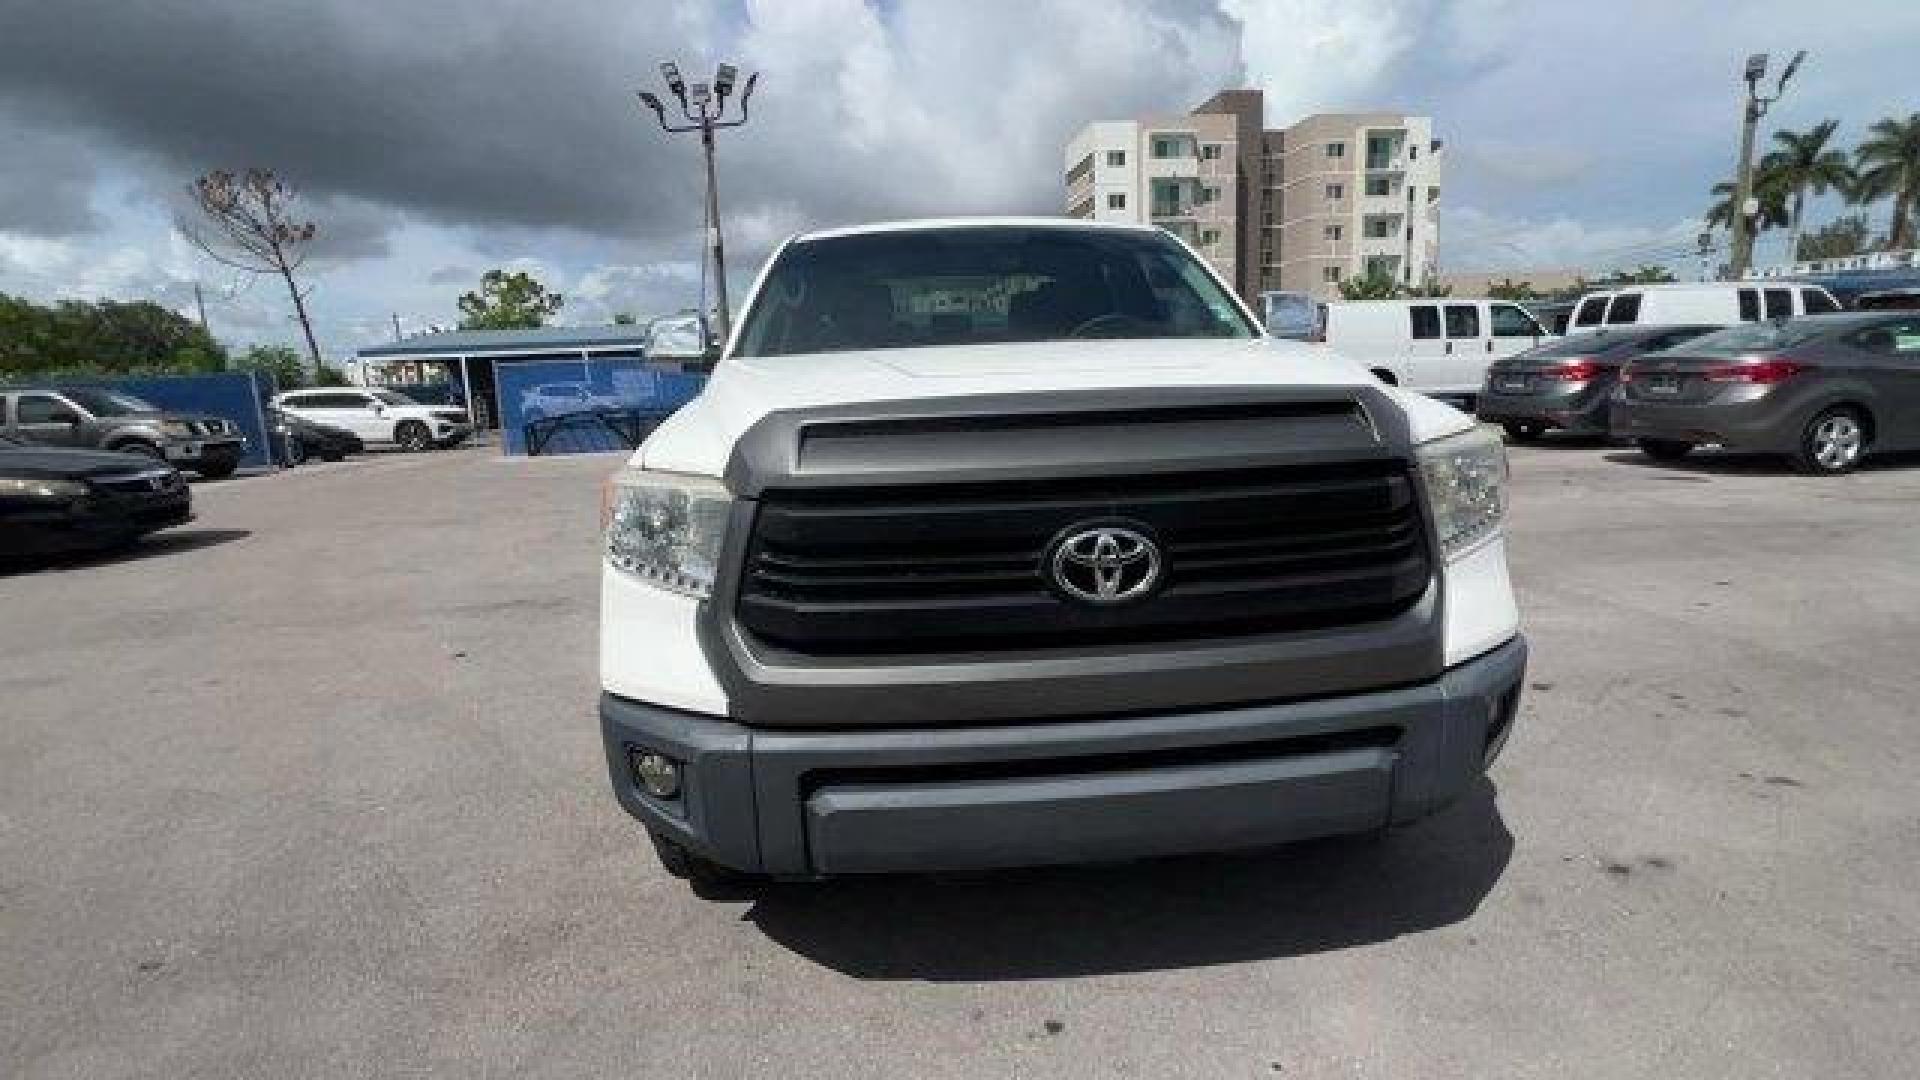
(46, 181)
(516, 115)
(475, 113)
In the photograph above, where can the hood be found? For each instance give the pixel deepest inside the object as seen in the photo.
(54, 463)
(698, 439)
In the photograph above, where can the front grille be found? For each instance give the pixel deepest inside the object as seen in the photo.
(904, 570)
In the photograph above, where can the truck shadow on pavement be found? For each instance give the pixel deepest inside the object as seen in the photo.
(1150, 916)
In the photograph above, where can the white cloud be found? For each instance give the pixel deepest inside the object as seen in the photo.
(1320, 55)
(1478, 240)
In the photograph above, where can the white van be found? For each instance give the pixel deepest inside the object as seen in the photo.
(1702, 303)
(1433, 345)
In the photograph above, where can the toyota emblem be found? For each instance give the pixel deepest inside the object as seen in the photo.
(1106, 564)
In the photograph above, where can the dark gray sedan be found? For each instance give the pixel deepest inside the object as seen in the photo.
(1568, 383)
(1824, 390)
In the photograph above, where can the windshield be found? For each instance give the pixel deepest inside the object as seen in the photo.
(910, 289)
(108, 402)
(1752, 337)
(393, 398)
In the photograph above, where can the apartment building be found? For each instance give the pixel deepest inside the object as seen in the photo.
(1334, 196)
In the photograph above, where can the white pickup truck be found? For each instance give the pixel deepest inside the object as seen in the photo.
(1004, 542)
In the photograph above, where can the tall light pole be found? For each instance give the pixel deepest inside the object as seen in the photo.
(705, 108)
(1745, 208)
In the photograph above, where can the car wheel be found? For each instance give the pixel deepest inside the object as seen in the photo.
(412, 435)
(1665, 449)
(1523, 431)
(218, 471)
(296, 452)
(701, 873)
(144, 449)
(1833, 443)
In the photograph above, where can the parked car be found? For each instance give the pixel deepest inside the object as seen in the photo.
(1825, 391)
(1015, 541)
(1695, 303)
(1294, 315)
(85, 417)
(1568, 383)
(1433, 346)
(55, 499)
(296, 439)
(379, 416)
(562, 399)
(1888, 300)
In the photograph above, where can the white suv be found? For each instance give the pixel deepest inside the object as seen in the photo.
(1014, 541)
(379, 416)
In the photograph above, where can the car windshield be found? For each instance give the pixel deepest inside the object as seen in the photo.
(916, 288)
(108, 402)
(393, 398)
(1752, 337)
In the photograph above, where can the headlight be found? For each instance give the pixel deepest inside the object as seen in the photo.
(1466, 477)
(32, 487)
(666, 529)
(177, 429)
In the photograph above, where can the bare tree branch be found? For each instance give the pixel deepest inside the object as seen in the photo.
(254, 229)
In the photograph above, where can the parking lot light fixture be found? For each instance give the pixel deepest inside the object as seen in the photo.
(1745, 207)
(705, 107)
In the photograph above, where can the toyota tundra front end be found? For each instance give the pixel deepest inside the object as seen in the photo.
(1015, 542)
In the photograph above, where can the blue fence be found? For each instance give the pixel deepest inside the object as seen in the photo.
(540, 390)
(232, 395)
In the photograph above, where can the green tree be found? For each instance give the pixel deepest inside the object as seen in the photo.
(1837, 239)
(1375, 286)
(280, 361)
(1507, 289)
(1805, 162)
(508, 301)
(1888, 164)
(107, 337)
(1644, 274)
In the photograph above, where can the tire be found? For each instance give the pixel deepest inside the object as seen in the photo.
(699, 872)
(413, 436)
(141, 447)
(1832, 443)
(296, 452)
(218, 471)
(1665, 449)
(332, 453)
(1524, 431)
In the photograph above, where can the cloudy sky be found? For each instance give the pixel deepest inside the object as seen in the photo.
(433, 139)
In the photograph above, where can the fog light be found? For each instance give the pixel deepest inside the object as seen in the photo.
(658, 774)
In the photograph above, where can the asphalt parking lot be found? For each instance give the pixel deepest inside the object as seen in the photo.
(313, 787)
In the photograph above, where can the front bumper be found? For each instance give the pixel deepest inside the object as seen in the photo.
(191, 452)
(815, 802)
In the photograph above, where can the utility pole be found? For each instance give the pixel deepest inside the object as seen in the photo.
(705, 108)
(200, 302)
(1745, 207)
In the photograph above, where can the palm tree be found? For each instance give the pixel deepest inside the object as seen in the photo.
(1889, 165)
(1801, 163)
(1766, 188)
